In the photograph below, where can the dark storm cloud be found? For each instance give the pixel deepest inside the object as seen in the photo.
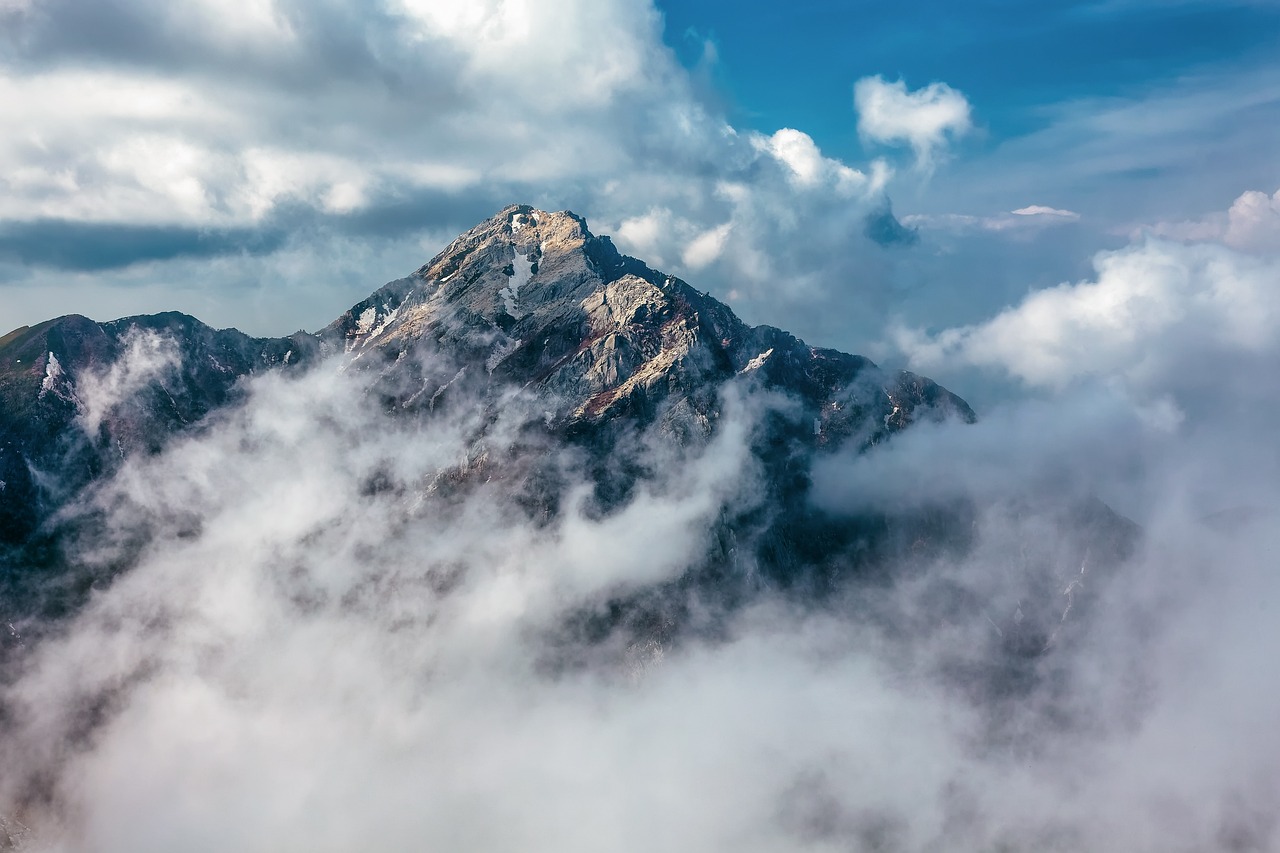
(87, 246)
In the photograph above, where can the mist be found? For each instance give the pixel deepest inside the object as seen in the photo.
(349, 628)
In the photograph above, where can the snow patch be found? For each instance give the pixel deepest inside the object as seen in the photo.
(52, 373)
(522, 271)
(387, 320)
(366, 328)
(757, 362)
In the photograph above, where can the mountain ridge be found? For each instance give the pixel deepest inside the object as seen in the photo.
(603, 345)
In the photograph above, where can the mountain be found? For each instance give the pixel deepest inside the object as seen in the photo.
(534, 298)
(606, 354)
(527, 298)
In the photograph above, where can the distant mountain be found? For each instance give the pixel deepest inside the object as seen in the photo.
(53, 439)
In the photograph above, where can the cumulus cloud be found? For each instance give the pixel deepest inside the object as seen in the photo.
(300, 127)
(781, 233)
(925, 119)
(1252, 223)
(1198, 320)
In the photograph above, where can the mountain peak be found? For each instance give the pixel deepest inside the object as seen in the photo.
(533, 297)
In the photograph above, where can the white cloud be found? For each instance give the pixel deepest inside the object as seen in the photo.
(1042, 210)
(330, 125)
(1252, 223)
(146, 356)
(311, 666)
(1034, 216)
(926, 119)
(706, 247)
(1197, 324)
(809, 168)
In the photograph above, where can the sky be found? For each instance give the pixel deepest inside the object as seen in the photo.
(268, 166)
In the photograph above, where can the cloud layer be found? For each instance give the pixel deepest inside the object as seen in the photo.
(169, 147)
(348, 628)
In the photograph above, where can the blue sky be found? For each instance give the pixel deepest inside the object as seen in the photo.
(1023, 66)
(793, 64)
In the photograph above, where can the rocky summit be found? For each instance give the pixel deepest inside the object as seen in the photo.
(534, 298)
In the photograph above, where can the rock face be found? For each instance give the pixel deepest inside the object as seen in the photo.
(72, 404)
(528, 300)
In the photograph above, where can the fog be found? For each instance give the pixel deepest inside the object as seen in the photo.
(352, 629)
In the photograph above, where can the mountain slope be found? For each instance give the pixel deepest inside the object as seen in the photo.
(77, 396)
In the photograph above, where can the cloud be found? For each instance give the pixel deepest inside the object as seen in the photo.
(925, 119)
(706, 247)
(1031, 217)
(384, 130)
(1041, 210)
(1252, 223)
(810, 169)
(1188, 330)
(328, 643)
(145, 356)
